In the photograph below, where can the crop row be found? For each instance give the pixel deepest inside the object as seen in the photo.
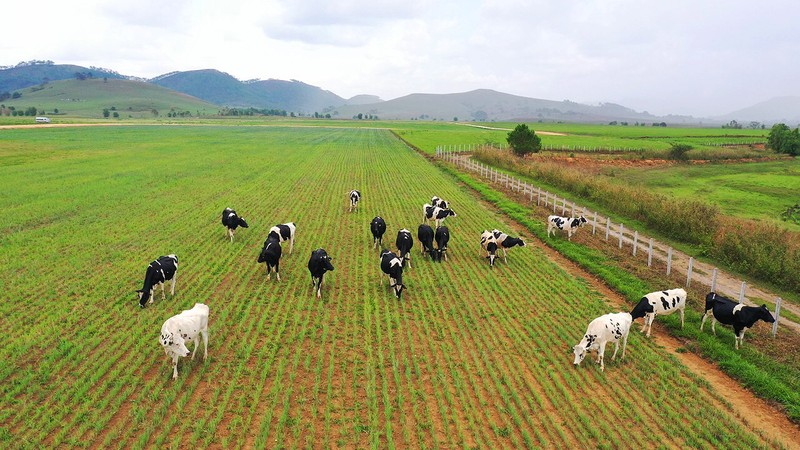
(471, 357)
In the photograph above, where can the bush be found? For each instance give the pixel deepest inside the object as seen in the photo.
(678, 151)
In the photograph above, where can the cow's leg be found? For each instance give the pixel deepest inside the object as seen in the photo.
(681, 310)
(624, 344)
(196, 344)
(277, 270)
(204, 334)
(152, 293)
(291, 245)
(175, 366)
(230, 234)
(703, 322)
(174, 278)
(650, 318)
(713, 322)
(600, 352)
(445, 255)
(644, 323)
(319, 288)
(268, 272)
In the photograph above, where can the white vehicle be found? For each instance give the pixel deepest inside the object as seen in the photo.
(42, 120)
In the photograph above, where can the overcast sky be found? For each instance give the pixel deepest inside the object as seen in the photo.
(695, 57)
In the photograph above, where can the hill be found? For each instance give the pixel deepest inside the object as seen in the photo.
(778, 109)
(487, 104)
(25, 75)
(88, 98)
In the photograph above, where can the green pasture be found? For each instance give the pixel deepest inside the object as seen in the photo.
(753, 190)
(470, 358)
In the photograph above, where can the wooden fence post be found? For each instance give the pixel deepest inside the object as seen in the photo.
(650, 253)
(669, 261)
(741, 292)
(621, 230)
(714, 280)
(689, 272)
(608, 226)
(635, 241)
(777, 316)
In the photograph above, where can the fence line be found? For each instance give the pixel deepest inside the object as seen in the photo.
(632, 238)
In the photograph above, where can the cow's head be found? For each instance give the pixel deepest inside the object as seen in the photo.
(580, 353)
(242, 223)
(450, 212)
(491, 247)
(143, 297)
(174, 344)
(326, 263)
(398, 287)
(765, 315)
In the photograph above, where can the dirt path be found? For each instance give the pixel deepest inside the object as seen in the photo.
(753, 410)
(543, 133)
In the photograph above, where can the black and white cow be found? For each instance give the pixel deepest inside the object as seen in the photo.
(377, 227)
(425, 236)
(404, 243)
(489, 243)
(436, 201)
(436, 213)
(729, 312)
(604, 329)
(355, 197)
(659, 303)
(183, 328)
(392, 266)
(158, 272)
(232, 221)
(318, 264)
(505, 241)
(442, 238)
(564, 223)
(283, 232)
(271, 255)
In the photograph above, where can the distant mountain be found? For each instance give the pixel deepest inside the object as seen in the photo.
(776, 110)
(363, 99)
(36, 73)
(486, 104)
(223, 89)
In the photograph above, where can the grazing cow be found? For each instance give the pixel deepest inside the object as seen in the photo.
(283, 232)
(183, 328)
(610, 327)
(489, 243)
(435, 213)
(232, 222)
(404, 242)
(425, 236)
(392, 266)
(355, 197)
(271, 254)
(318, 264)
(442, 238)
(505, 241)
(158, 272)
(729, 312)
(377, 227)
(436, 201)
(564, 223)
(659, 303)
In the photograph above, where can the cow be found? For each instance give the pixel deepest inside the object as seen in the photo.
(425, 235)
(377, 227)
(283, 232)
(442, 238)
(355, 197)
(564, 223)
(158, 272)
(489, 243)
(610, 327)
(271, 255)
(392, 266)
(729, 312)
(318, 264)
(404, 243)
(232, 221)
(505, 241)
(436, 201)
(183, 328)
(436, 213)
(659, 303)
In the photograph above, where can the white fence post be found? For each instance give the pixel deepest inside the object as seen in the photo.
(669, 261)
(714, 280)
(650, 253)
(689, 272)
(741, 292)
(594, 223)
(635, 241)
(621, 230)
(608, 226)
(777, 316)
(555, 202)
(538, 195)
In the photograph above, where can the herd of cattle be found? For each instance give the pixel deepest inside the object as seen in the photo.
(191, 325)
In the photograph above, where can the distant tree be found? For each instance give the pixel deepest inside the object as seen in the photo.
(733, 124)
(328, 116)
(154, 112)
(55, 111)
(754, 125)
(455, 119)
(16, 95)
(30, 111)
(106, 113)
(613, 122)
(116, 115)
(360, 116)
(523, 140)
(678, 151)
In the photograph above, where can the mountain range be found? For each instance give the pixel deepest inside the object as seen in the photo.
(221, 89)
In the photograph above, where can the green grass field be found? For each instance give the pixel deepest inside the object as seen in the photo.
(470, 357)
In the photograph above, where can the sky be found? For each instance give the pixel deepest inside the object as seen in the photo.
(687, 57)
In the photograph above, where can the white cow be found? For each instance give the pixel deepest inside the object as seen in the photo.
(659, 303)
(610, 327)
(355, 197)
(564, 223)
(185, 327)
